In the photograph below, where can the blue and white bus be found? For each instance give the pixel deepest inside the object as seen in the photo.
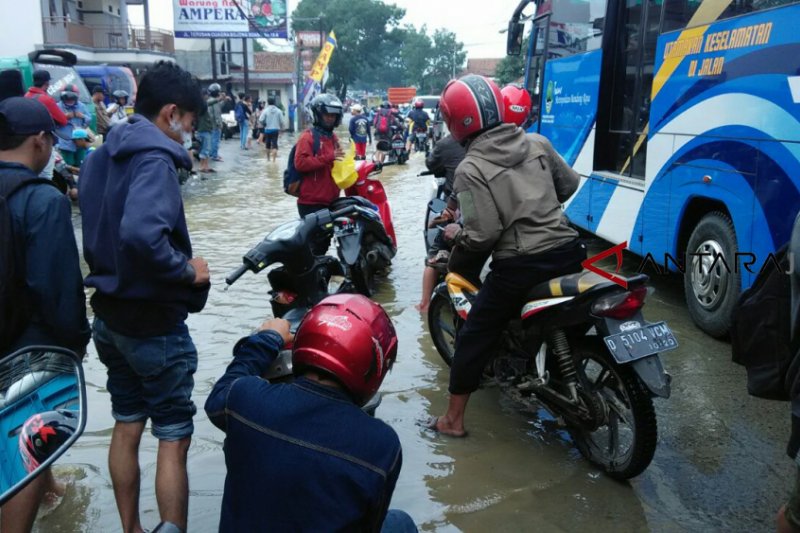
(683, 119)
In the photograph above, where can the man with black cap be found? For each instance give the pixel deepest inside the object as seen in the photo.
(42, 239)
(99, 99)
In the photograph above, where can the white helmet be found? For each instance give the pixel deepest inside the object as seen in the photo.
(356, 108)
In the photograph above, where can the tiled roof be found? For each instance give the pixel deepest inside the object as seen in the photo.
(484, 66)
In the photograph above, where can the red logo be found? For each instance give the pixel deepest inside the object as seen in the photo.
(616, 251)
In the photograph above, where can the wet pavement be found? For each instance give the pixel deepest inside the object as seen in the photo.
(720, 463)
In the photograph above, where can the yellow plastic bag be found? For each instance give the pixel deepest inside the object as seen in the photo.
(344, 171)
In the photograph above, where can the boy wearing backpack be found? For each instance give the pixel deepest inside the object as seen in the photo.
(41, 287)
(383, 128)
(316, 150)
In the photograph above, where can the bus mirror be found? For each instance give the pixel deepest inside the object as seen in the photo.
(514, 44)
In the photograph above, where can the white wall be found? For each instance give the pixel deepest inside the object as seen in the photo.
(19, 33)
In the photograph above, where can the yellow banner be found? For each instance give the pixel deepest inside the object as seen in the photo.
(324, 57)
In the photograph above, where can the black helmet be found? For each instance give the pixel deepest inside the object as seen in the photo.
(326, 104)
(384, 105)
(43, 433)
(214, 89)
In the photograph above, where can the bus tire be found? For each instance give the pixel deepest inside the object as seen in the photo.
(712, 286)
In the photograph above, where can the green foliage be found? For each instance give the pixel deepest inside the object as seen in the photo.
(360, 27)
(257, 46)
(374, 52)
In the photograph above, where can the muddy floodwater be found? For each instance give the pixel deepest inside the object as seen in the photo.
(720, 463)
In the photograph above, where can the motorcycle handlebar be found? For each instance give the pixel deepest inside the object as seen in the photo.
(236, 274)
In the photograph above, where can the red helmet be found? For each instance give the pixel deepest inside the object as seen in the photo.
(351, 338)
(470, 105)
(419, 103)
(516, 103)
(43, 434)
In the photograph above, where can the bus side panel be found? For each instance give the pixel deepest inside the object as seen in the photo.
(570, 104)
(728, 92)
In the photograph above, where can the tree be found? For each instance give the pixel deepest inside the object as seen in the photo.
(257, 46)
(360, 27)
(447, 61)
(415, 54)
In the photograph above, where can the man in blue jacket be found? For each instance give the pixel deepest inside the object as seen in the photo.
(146, 282)
(303, 456)
(42, 227)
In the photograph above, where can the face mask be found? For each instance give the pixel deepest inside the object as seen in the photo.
(176, 127)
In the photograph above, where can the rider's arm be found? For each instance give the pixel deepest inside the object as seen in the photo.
(251, 357)
(482, 223)
(304, 158)
(565, 179)
(435, 160)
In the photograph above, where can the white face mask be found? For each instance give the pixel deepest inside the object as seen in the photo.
(186, 136)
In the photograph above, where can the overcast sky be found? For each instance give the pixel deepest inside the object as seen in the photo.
(476, 23)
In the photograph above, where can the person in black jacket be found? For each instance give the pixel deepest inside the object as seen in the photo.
(41, 219)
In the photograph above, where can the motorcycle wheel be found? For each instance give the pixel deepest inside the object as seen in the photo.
(361, 277)
(443, 323)
(402, 158)
(625, 445)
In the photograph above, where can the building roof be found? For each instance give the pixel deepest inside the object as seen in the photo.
(485, 66)
(273, 62)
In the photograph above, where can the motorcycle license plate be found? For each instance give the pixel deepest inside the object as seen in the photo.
(641, 342)
(398, 144)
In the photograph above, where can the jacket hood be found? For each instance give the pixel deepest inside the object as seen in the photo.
(140, 135)
(504, 146)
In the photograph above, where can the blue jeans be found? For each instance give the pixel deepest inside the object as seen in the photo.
(150, 377)
(397, 521)
(216, 135)
(244, 127)
(205, 144)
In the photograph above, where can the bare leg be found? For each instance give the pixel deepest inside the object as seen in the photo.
(274, 154)
(452, 423)
(172, 481)
(123, 463)
(428, 284)
(18, 514)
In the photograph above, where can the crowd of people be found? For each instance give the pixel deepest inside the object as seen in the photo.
(308, 438)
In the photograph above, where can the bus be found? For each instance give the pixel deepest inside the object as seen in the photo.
(682, 118)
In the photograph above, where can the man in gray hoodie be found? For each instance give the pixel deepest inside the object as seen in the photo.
(510, 188)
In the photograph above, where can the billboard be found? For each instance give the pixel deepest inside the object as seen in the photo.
(231, 18)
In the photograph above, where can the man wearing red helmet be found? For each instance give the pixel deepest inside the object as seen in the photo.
(516, 105)
(510, 188)
(303, 456)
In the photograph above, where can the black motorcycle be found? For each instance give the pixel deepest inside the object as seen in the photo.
(421, 144)
(397, 146)
(581, 349)
(302, 280)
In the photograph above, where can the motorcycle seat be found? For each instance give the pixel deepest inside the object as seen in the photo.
(575, 284)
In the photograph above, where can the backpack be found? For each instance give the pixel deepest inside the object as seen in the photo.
(15, 307)
(291, 176)
(760, 332)
(382, 125)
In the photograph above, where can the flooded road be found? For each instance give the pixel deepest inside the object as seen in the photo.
(720, 463)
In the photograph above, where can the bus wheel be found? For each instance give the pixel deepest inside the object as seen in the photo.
(711, 281)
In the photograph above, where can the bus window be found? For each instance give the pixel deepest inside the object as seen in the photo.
(632, 79)
(575, 26)
(678, 13)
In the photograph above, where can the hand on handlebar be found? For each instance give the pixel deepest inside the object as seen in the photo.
(279, 326)
(450, 231)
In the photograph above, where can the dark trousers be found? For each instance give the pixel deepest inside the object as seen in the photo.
(499, 301)
(322, 241)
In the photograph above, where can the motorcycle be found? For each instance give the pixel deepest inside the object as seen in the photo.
(396, 146)
(302, 280)
(421, 143)
(582, 350)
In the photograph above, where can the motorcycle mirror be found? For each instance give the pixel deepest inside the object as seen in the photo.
(42, 404)
(438, 205)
